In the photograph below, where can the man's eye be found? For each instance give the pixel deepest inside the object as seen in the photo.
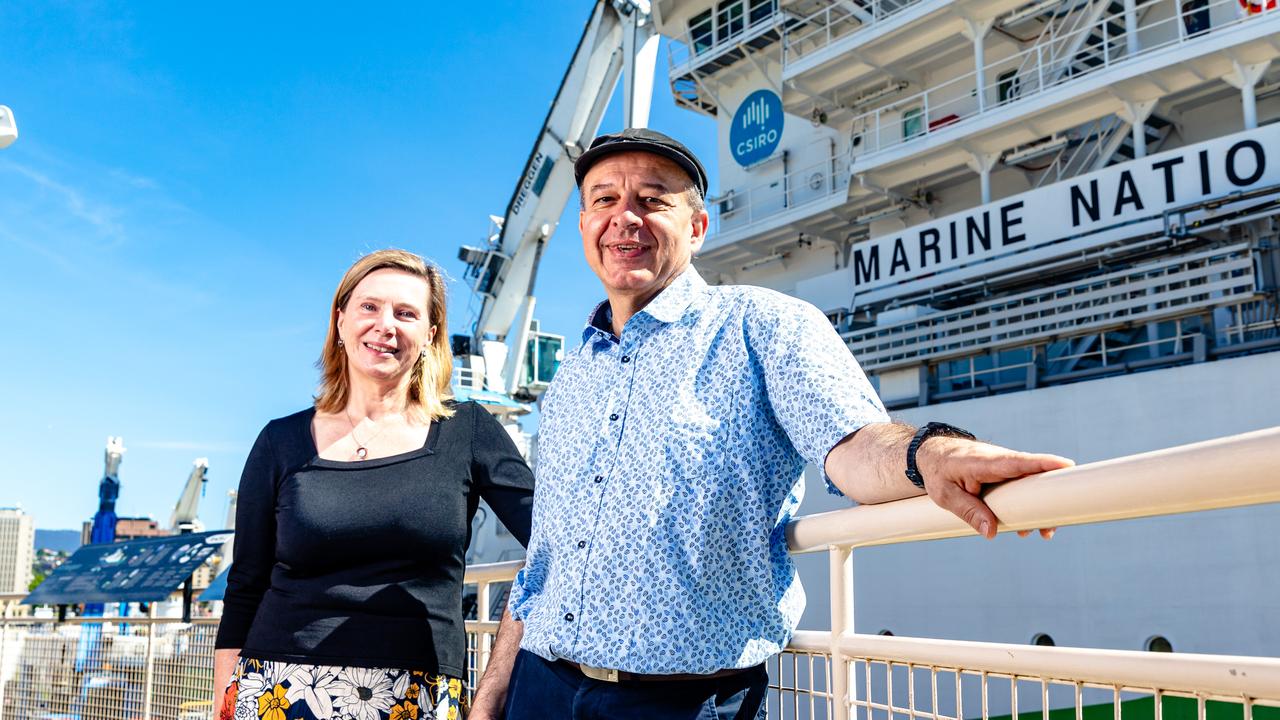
(408, 314)
(368, 307)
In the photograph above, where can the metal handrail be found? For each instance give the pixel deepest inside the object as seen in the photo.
(680, 48)
(816, 28)
(1119, 489)
(954, 101)
(740, 207)
(1211, 677)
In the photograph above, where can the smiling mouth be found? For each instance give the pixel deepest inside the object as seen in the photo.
(383, 349)
(628, 249)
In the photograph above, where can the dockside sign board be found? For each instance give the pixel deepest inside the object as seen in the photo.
(962, 245)
(130, 571)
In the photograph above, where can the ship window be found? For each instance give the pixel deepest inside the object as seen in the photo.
(1043, 640)
(702, 32)
(886, 632)
(1007, 86)
(912, 123)
(728, 19)
(764, 9)
(1159, 643)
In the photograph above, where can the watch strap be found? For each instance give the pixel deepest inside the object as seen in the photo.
(925, 432)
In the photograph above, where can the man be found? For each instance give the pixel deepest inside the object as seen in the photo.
(671, 451)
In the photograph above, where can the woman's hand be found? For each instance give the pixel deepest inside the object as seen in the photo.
(224, 664)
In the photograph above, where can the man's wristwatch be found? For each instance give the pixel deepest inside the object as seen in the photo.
(924, 433)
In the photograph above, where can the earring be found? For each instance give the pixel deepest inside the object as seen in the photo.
(339, 342)
(424, 353)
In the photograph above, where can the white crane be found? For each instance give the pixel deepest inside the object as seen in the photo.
(619, 40)
(184, 517)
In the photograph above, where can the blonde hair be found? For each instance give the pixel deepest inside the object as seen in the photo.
(429, 384)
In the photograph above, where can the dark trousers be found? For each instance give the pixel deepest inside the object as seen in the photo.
(542, 690)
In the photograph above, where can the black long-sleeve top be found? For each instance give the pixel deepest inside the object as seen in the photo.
(361, 563)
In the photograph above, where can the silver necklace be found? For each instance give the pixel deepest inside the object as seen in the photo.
(362, 450)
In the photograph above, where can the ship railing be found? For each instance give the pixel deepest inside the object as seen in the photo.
(739, 208)
(152, 667)
(721, 31)
(1096, 142)
(1022, 76)
(836, 21)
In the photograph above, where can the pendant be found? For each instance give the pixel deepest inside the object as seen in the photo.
(361, 452)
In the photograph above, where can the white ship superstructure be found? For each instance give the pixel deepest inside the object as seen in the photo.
(1052, 222)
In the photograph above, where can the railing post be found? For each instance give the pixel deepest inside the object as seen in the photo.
(149, 665)
(841, 587)
(485, 644)
(1040, 68)
(4, 642)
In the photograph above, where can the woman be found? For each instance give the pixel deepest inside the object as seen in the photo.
(344, 600)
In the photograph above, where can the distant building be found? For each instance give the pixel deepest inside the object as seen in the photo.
(17, 550)
(128, 529)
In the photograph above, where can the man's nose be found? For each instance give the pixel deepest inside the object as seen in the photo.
(627, 214)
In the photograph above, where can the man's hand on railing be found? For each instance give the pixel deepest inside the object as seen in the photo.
(869, 466)
(955, 470)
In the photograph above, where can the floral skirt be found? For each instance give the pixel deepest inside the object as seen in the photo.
(270, 690)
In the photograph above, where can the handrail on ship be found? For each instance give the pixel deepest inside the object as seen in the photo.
(854, 667)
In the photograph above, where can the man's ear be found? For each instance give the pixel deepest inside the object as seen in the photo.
(700, 221)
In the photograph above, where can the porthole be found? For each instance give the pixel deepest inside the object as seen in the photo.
(1043, 640)
(1158, 643)
(886, 631)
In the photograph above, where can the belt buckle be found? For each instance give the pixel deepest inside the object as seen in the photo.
(601, 674)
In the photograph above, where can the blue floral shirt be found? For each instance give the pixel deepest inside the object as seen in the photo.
(669, 462)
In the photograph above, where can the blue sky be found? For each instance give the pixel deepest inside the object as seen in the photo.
(191, 181)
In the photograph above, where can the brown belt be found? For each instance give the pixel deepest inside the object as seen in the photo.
(611, 675)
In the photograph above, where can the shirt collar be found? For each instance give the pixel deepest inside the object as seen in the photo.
(670, 304)
(668, 307)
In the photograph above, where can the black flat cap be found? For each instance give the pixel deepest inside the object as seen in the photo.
(642, 140)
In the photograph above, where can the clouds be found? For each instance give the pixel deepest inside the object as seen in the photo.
(99, 216)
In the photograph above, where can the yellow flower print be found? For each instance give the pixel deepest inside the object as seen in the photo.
(453, 712)
(455, 688)
(416, 673)
(407, 711)
(412, 692)
(271, 706)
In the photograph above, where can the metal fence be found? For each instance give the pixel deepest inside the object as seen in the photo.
(150, 668)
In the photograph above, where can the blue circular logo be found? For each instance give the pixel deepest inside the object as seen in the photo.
(757, 128)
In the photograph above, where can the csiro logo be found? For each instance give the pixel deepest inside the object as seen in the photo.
(757, 127)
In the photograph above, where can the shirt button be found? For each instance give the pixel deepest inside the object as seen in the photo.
(568, 617)
(626, 359)
(582, 544)
(613, 417)
(599, 478)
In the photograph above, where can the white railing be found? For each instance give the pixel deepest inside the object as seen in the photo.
(741, 207)
(1035, 70)
(818, 30)
(1097, 141)
(726, 28)
(155, 668)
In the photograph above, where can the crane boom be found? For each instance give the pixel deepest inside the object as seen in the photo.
(619, 40)
(188, 505)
